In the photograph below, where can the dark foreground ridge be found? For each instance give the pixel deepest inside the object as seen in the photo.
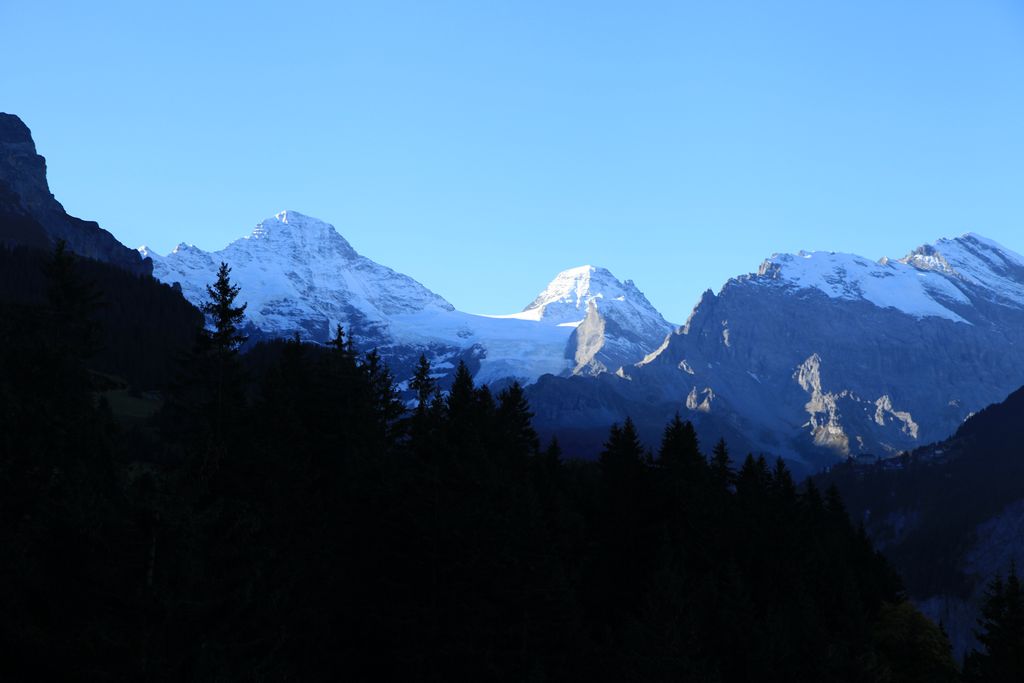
(280, 515)
(31, 216)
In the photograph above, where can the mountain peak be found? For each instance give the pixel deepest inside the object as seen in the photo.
(13, 131)
(569, 292)
(932, 280)
(569, 296)
(294, 221)
(978, 261)
(298, 219)
(290, 233)
(42, 221)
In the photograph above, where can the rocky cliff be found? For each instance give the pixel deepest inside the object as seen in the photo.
(31, 216)
(820, 356)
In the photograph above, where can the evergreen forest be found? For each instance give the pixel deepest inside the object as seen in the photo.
(173, 509)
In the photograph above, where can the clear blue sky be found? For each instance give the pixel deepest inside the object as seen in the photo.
(482, 146)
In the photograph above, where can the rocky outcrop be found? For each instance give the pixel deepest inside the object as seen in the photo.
(615, 324)
(949, 515)
(821, 356)
(31, 216)
(300, 276)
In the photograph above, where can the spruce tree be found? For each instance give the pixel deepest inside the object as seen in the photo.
(207, 400)
(225, 317)
(515, 421)
(461, 395)
(423, 384)
(1001, 633)
(342, 344)
(625, 525)
(722, 476)
(73, 304)
(782, 486)
(553, 452)
(680, 450)
(751, 480)
(385, 396)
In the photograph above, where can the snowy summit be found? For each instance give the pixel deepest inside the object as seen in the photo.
(298, 274)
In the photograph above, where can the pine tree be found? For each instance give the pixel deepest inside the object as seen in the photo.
(626, 523)
(207, 401)
(382, 388)
(461, 395)
(1001, 633)
(515, 421)
(486, 407)
(226, 336)
(680, 451)
(753, 479)
(342, 344)
(811, 500)
(782, 486)
(423, 384)
(73, 303)
(553, 453)
(722, 476)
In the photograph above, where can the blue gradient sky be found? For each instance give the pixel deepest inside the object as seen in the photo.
(481, 147)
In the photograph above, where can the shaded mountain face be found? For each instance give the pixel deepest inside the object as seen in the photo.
(31, 216)
(949, 515)
(615, 323)
(818, 356)
(299, 275)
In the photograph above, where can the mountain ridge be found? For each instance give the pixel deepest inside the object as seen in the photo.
(32, 215)
(818, 356)
(299, 274)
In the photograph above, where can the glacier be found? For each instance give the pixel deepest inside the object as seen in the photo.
(299, 275)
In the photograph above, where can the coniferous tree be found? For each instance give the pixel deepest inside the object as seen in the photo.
(515, 425)
(73, 303)
(782, 486)
(327, 544)
(220, 345)
(553, 452)
(752, 481)
(461, 396)
(680, 451)
(385, 397)
(342, 344)
(1001, 633)
(722, 475)
(423, 384)
(225, 317)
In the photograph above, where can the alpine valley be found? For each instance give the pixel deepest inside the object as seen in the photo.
(815, 357)
(215, 475)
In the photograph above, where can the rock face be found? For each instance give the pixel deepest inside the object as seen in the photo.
(30, 214)
(950, 515)
(815, 357)
(299, 275)
(819, 356)
(615, 323)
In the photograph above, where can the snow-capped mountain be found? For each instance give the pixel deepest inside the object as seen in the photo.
(814, 356)
(822, 355)
(299, 275)
(940, 280)
(614, 323)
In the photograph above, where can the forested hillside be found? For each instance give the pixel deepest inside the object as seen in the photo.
(949, 516)
(283, 516)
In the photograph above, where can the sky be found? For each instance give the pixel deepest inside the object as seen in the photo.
(483, 146)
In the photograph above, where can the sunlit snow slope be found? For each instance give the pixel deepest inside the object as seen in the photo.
(298, 274)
